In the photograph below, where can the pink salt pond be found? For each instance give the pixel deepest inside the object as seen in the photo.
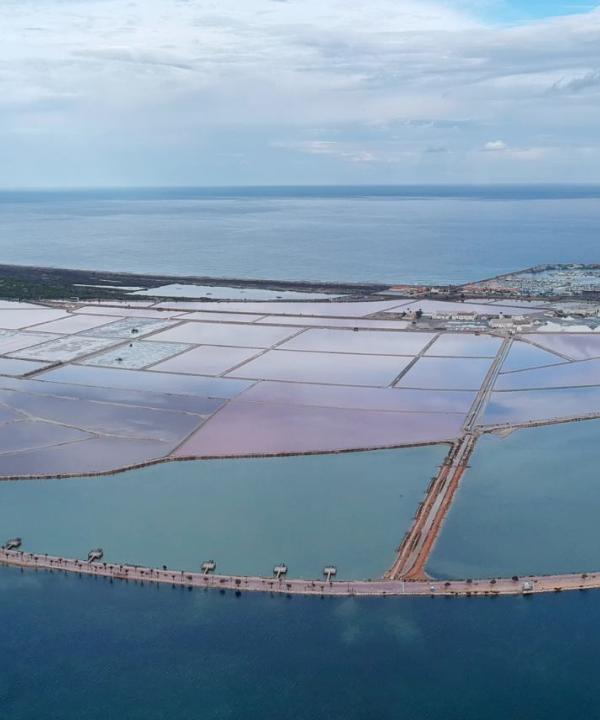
(340, 368)
(571, 346)
(206, 360)
(446, 373)
(146, 381)
(465, 345)
(524, 406)
(123, 311)
(335, 322)
(246, 428)
(29, 435)
(253, 336)
(523, 355)
(207, 316)
(45, 434)
(90, 456)
(318, 309)
(584, 372)
(371, 342)
(360, 398)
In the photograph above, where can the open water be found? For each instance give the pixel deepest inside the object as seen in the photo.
(85, 649)
(376, 234)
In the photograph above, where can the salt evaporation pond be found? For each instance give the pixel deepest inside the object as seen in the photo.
(528, 504)
(248, 515)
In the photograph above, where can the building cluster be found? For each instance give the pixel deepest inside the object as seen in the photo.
(544, 281)
(474, 320)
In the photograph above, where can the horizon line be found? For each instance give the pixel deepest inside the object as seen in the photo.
(258, 186)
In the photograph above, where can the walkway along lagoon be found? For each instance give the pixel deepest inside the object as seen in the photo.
(529, 585)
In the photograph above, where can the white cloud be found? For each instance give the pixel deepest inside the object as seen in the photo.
(495, 146)
(519, 153)
(343, 151)
(385, 82)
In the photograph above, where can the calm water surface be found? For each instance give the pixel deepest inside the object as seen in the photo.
(85, 649)
(249, 515)
(379, 234)
(528, 504)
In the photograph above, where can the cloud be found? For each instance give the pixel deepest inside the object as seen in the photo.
(126, 55)
(518, 153)
(495, 146)
(331, 148)
(356, 86)
(435, 149)
(576, 84)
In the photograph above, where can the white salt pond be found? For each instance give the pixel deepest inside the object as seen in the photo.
(223, 292)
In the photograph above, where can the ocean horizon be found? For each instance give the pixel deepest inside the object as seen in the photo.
(380, 233)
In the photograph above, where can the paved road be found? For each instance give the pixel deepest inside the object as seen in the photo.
(377, 588)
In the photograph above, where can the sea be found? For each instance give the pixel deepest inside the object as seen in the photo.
(76, 648)
(419, 234)
(86, 649)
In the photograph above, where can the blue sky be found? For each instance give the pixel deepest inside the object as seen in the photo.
(207, 92)
(520, 10)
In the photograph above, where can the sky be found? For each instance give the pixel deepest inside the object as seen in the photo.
(254, 92)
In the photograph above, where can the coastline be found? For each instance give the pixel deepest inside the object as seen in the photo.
(54, 283)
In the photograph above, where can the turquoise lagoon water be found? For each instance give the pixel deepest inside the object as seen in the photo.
(85, 649)
(248, 515)
(528, 504)
(380, 234)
